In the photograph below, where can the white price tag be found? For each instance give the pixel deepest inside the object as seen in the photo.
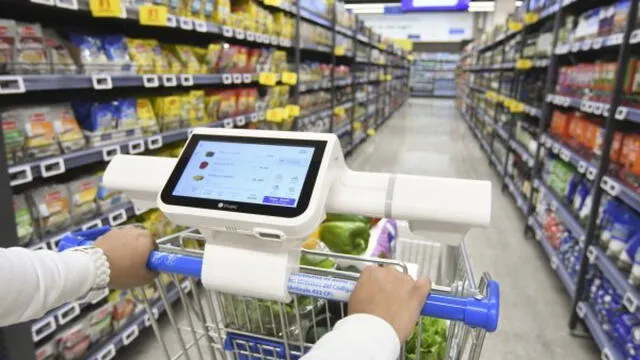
(41, 246)
(154, 142)
(237, 78)
(67, 313)
(246, 78)
(186, 23)
(117, 217)
(581, 309)
(630, 302)
(109, 152)
(169, 80)
(11, 85)
(186, 80)
(582, 167)
(101, 81)
(172, 21)
(555, 148)
(261, 116)
(239, 34)
(200, 26)
(621, 113)
(615, 39)
(227, 31)
(227, 79)
(228, 123)
(107, 354)
(241, 120)
(92, 224)
(575, 46)
(129, 335)
(67, 4)
(605, 110)
(254, 117)
(597, 43)
(591, 254)
(251, 36)
(150, 81)
(274, 40)
(44, 2)
(52, 167)
(43, 327)
(591, 173)
(635, 37)
(20, 175)
(597, 108)
(586, 44)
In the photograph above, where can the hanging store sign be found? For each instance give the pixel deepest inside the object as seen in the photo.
(435, 5)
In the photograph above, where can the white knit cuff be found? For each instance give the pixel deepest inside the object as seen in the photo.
(101, 266)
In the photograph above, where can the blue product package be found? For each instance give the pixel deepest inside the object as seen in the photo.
(90, 48)
(572, 188)
(115, 48)
(622, 227)
(102, 118)
(581, 192)
(126, 115)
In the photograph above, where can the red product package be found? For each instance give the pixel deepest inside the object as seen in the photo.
(630, 153)
(228, 104)
(226, 62)
(560, 122)
(252, 62)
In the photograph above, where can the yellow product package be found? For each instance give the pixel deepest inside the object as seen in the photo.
(208, 9)
(67, 129)
(51, 207)
(195, 9)
(222, 12)
(83, 195)
(212, 56)
(212, 106)
(168, 111)
(197, 114)
(141, 52)
(147, 117)
(187, 57)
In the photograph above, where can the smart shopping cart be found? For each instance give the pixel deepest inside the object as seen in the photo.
(253, 197)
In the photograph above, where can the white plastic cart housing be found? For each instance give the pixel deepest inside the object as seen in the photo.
(256, 195)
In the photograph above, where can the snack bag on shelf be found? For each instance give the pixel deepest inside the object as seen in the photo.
(106, 198)
(24, 221)
(30, 52)
(141, 52)
(95, 117)
(40, 134)
(227, 57)
(222, 12)
(58, 53)
(620, 229)
(212, 58)
(188, 59)
(126, 114)
(147, 117)
(8, 29)
(168, 62)
(84, 192)
(116, 50)
(124, 306)
(630, 153)
(168, 111)
(67, 129)
(51, 208)
(208, 9)
(91, 56)
(76, 341)
(14, 135)
(197, 114)
(228, 104)
(212, 102)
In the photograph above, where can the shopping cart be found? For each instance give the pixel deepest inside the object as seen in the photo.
(225, 326)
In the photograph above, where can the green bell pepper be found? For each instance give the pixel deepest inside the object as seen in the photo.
(348, 217)
(345, 237)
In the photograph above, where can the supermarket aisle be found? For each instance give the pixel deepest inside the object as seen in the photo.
(427, 137)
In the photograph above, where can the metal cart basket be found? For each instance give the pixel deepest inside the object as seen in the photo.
(212, 325)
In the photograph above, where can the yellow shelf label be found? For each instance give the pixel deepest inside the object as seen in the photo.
(275, 115)
(267, 78)
(517, 107)
(371, 132)
(508, 102)
(410, 57)
(383, 46)
(273, 2)
(339, 111)
(290, 78)
(524, 64)
(339, 51)
(530, 18)
(292, 110)
(388, 77)
(491, 95)
(357, 125)
(153, 15)
(514, 25)
(105, 8)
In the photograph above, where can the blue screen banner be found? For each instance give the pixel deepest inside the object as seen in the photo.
(435, 5)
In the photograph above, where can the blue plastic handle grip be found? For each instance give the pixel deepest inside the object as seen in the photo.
(479, 312)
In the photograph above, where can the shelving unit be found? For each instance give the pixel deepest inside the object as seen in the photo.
(565, 181)
(433, 74)
(366, 81)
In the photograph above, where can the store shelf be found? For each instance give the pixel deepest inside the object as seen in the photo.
(523, 152)
(631, 296)
(607, 347)
(342, 131)
(569, 155)
(129, 332)
(53, 166)
(595, 44)
(563, 275)
(618, 189)
(315, 47)
(521, 201)
(565, 214)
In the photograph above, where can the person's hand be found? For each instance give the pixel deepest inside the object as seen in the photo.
(390, 295)
(127, 250)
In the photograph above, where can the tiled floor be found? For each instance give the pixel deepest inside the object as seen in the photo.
(427, 137)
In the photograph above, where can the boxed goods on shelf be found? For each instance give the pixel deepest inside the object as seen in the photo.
(24, 221)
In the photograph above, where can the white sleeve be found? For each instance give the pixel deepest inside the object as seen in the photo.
(358, 336)
(34, 282)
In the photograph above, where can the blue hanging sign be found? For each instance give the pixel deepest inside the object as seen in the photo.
(435, 5)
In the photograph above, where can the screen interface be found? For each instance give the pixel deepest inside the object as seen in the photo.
(249, 173)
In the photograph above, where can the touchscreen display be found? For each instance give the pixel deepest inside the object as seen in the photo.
(248, 173)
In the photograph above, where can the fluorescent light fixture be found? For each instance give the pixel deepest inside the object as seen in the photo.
(487, 6)
(378, 8)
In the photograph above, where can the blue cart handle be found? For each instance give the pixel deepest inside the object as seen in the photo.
(478, 312)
